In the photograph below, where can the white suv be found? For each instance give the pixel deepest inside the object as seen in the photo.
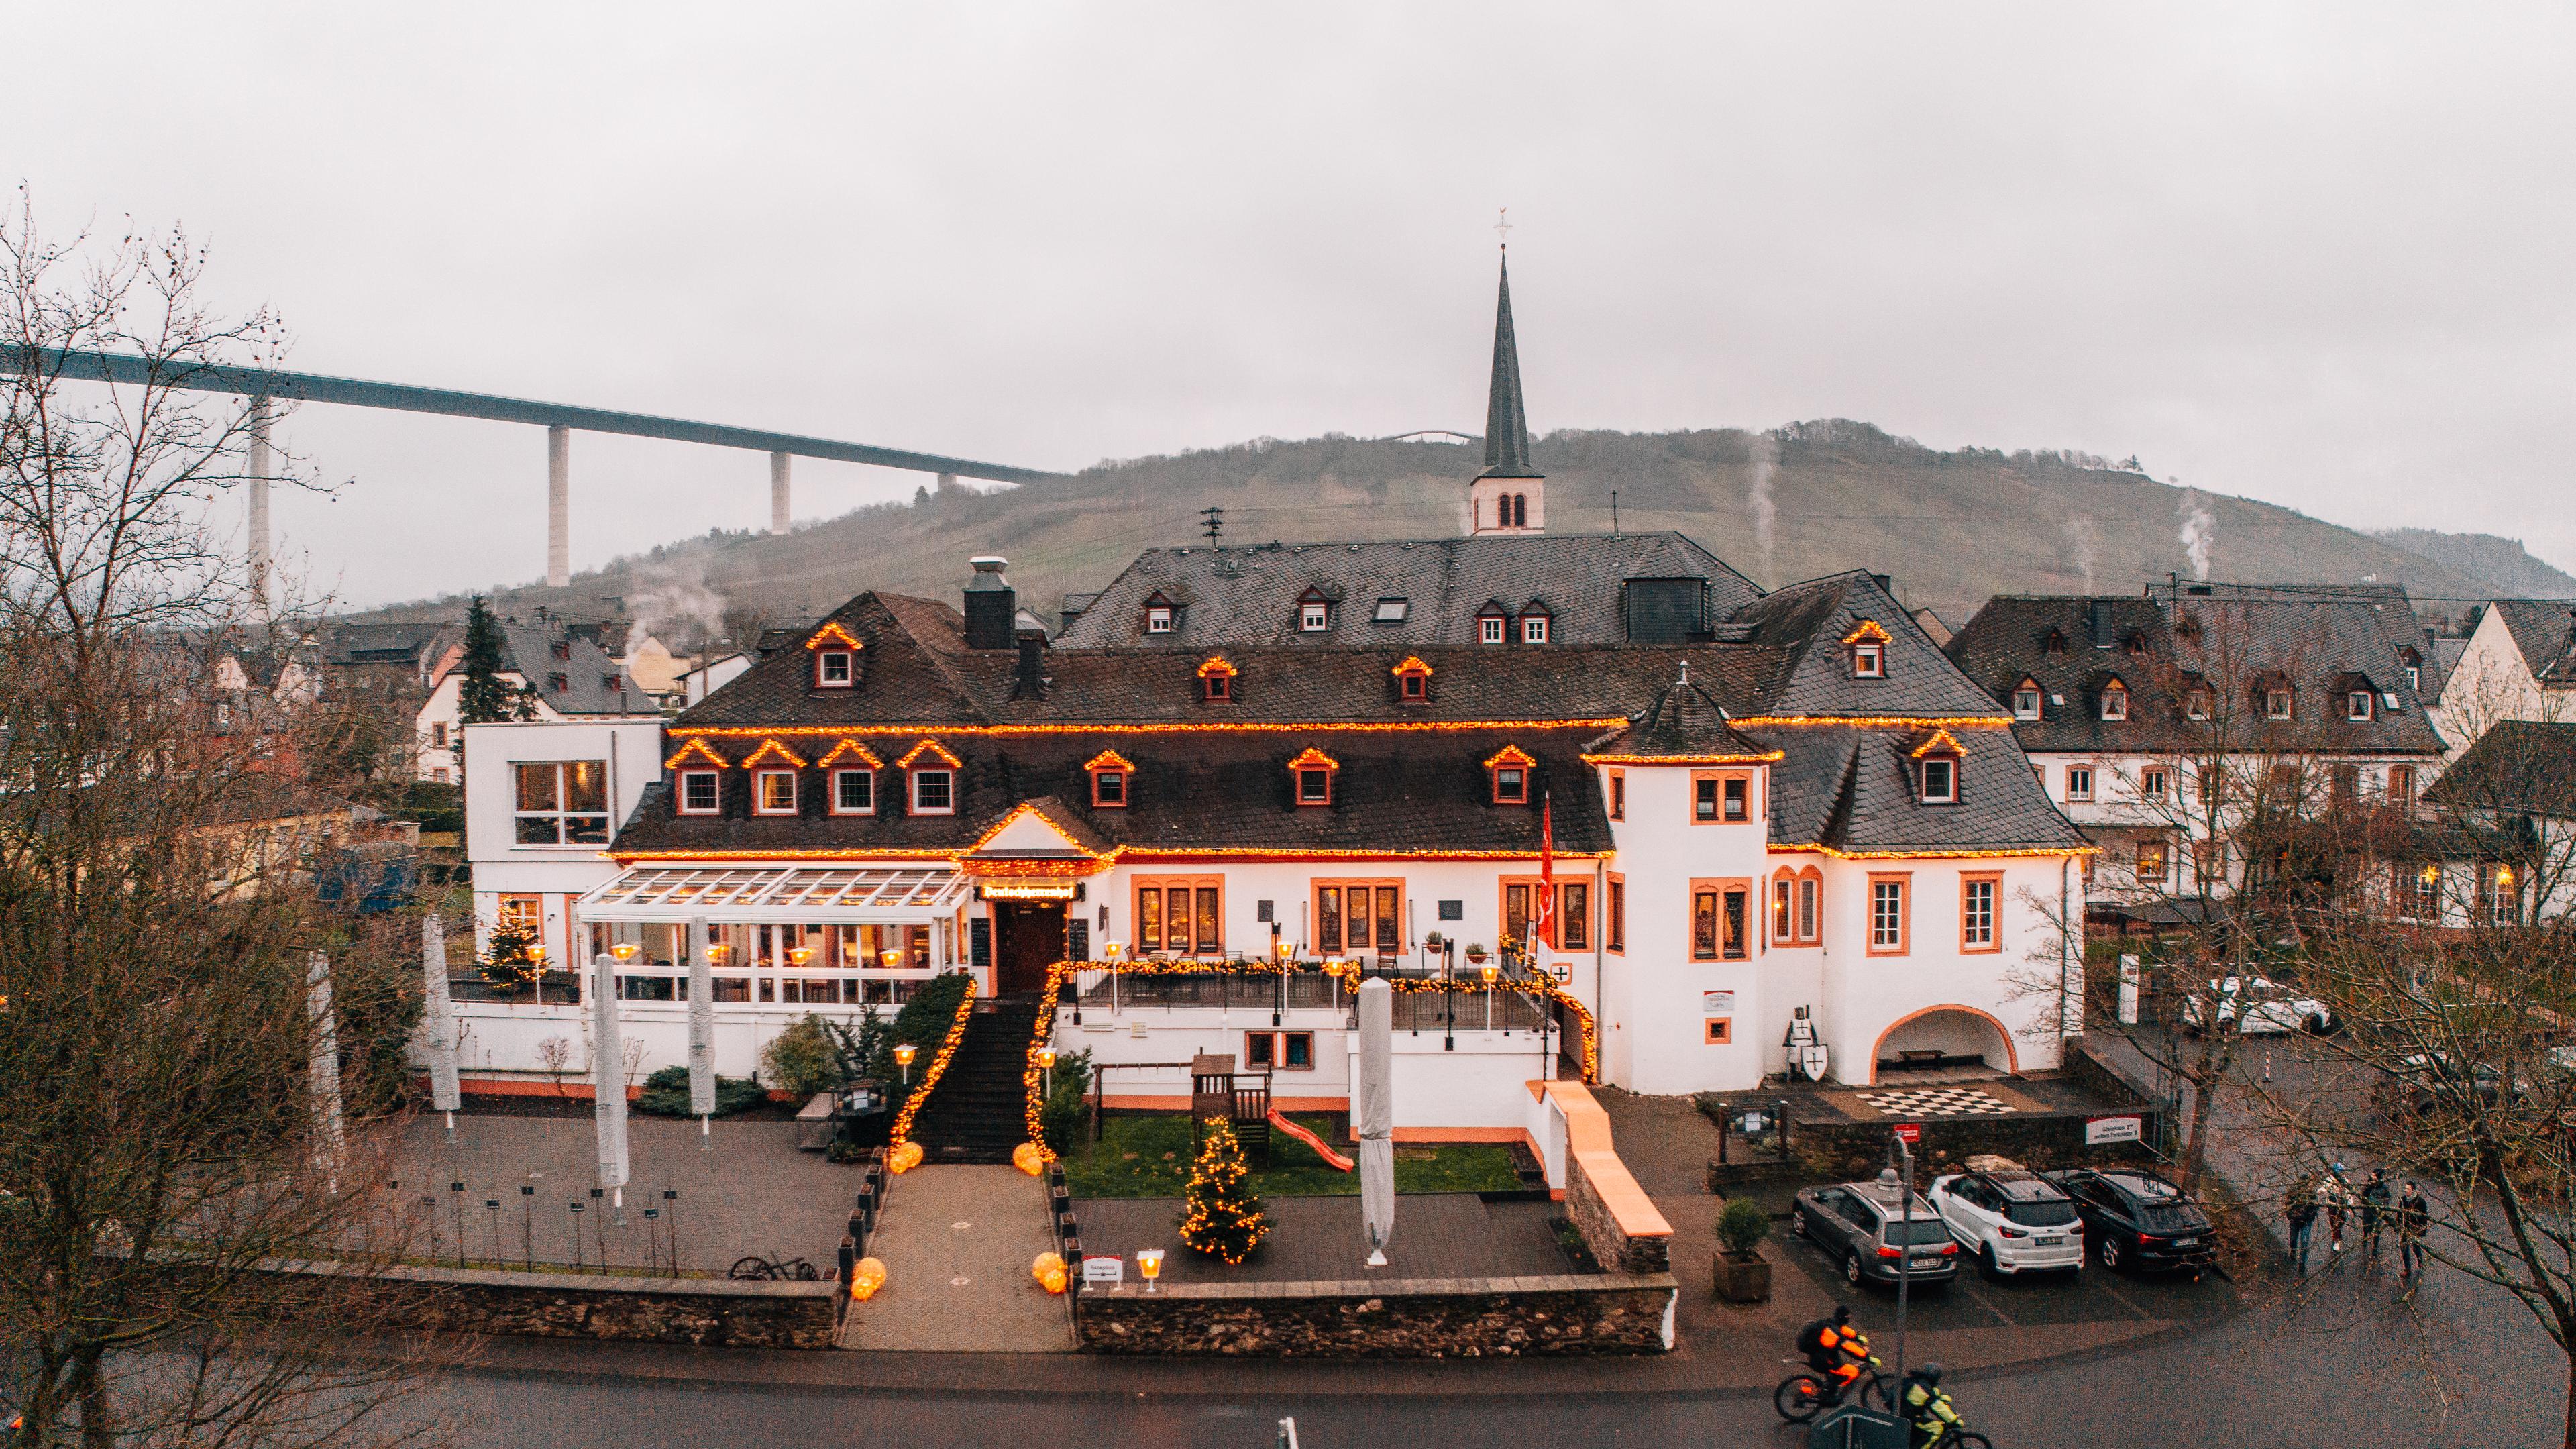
(2014, 1222)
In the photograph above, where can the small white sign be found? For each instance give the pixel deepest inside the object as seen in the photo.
(1109, 1271)
(1714, 1001)
(2098, 1130)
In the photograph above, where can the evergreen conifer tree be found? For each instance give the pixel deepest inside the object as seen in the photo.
(482, 695)
(1224, 1217)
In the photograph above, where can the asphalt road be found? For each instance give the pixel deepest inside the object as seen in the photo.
(2347, 1365)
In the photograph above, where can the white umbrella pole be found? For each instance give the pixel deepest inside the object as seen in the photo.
(702, 1033)
(1377, 1116)
(608, 1086)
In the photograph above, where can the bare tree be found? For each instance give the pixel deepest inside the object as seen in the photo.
(159, 1155)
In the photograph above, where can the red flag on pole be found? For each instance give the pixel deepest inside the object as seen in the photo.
(1543, 920)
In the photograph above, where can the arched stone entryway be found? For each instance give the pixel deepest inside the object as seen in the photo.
(1955, 1032)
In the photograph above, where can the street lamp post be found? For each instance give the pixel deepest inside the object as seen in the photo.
(1046, 1069)
(1901, 1155)
(1489, 971)
(1283, 950)
(1448, 997)
(903, 1059)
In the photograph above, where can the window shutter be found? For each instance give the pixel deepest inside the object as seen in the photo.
(979, 942)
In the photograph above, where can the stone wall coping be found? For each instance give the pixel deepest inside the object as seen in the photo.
(560, 1282)
(1587, 1126)
(1393, 1288)
(1627, 1203)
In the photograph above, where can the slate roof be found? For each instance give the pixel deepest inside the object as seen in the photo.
(1810, 620)
(1248, 595)
(2517, 765)
(1683, 723)
(1852, 789)
(2545, 631)
(2321, 642)
(585, 668)
(345, 645)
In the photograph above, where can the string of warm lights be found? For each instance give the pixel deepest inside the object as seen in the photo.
(1771, 757)
(832, 633)
(772, 749)
(1186, 727)
(938, 1065)
(1223, 1220)
(932, 748)
(1934, 852)
(850, 749)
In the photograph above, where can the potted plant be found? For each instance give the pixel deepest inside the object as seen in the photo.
(1431, 941)
(1741, 1274)
(1475, 953)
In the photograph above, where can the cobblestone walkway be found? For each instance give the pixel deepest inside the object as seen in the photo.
(956, 1240)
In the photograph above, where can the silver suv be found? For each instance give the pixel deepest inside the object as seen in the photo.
(1862, 1225)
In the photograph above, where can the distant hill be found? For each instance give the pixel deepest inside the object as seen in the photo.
(1953, 527)
(2503, 564)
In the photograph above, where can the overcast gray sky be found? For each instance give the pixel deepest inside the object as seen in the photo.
(2319, 256)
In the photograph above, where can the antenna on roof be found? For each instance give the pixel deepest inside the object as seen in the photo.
(1214, 527)
(1614, 510)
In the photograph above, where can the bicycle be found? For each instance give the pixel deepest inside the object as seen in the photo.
(1805, 1394)
(780, 1270)
(1954, 1437)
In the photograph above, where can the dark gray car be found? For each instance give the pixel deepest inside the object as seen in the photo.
(1861, 1225)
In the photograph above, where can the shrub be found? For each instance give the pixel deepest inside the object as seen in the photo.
(924, 1022)
(1063, 1116)
(666, 1094)
(803, 1059)
(1742, 1227)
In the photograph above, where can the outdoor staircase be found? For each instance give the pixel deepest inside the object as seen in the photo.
(979, 1110)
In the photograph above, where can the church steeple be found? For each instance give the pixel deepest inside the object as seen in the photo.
(1509, 496)
(1506, 420)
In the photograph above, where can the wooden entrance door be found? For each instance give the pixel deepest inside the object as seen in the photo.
(1028, 937)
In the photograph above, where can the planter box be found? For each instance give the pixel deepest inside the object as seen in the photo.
(1742, 1280)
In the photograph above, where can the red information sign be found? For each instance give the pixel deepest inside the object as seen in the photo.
(1909, 1132)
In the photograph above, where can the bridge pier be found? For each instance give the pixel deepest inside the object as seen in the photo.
(558, 507)
(778, 492)
(261, 470)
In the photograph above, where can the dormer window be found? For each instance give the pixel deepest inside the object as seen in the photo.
(2115, 701)
(698, 793)
(1868, 646)
(558, 683)
(1314, 618)
(773, 792)
(2276, 704)
(1936, 769)
(1492, 624)
(2195, 704)
(852, 768)
(1312, 774)
(832, 669)
(2025, 700)
(2055, 643)
(1158, 619)
(2357, 706)
(1391, 611)
(1109, 780)
(932, 774)
(563, 649)
(1216, 681)
(1413, 681)
(1534, 628)
(2414, 679)
(1509, 773)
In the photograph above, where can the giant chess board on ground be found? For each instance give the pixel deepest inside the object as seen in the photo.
(1938, 1102)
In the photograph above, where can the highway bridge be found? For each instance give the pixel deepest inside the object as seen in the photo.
(264, 387)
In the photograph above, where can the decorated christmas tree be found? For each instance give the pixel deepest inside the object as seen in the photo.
(1224, 1217)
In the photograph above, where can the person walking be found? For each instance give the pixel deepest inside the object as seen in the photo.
(2302, 1215)
(2335, 1196)
(2375, 1198)
(2414, 1215)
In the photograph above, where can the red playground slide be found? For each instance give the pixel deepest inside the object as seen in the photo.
(1338, 1161)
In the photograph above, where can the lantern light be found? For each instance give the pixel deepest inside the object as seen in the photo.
(799, 955)
(1112, 949)
(1046, 1056)
(718, 951)
(1489, 971)
(890, 957)
(537, 952)
(1149, 1261)
(866, 1278)
(1286, 950)
(623, 950)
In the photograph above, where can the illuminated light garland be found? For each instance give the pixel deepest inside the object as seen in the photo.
(1510, 757)
(830, 632)
(1412, 665)
(1107, 760)
(1875, 721)
(1942, 742)
(1177, 854)
(1028, 809)
(902, 1134)
(1869, 631)
(1216, 666)
(1939, 852)
(852, 856)
(767, 750)
(703, 751)
(935, 750)
(850, 749)
(1771, 758)
(1228, 727)
(1312, 758)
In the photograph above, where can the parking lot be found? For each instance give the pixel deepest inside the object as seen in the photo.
(1970, 1301)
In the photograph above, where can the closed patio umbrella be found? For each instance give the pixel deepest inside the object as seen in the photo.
(438, 1024)
(702, 1030)
(1377, 1116)
(608, 1076)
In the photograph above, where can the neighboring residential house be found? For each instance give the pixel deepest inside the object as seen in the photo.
(2126, 705)
(651, 667)
(566, 676)
(2501, 841)
(396, 660)
(1709, 813)
(2518, 662)
(704, 679)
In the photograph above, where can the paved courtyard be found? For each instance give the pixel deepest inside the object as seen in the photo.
(748, 1191)
(1317, 1239)
(957, 1240)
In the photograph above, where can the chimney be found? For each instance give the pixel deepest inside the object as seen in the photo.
(2102, 624)
(1886, 583)
(990, 604)
(1030, 680)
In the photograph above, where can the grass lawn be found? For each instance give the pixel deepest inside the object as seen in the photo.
(1149, 1156)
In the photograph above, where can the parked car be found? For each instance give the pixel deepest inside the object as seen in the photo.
(1863, 1225)
(2424, 1080)
(2136, 1218)
(2258, 1008)
(2013, 1222)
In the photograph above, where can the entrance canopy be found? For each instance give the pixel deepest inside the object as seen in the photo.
(800, 893)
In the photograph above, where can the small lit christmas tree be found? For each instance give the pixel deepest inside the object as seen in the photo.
(510, 963)
(1224, 1218)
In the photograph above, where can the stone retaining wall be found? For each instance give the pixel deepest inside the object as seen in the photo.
(712, 1311)
(1399, 1318)
(1847, 1151)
